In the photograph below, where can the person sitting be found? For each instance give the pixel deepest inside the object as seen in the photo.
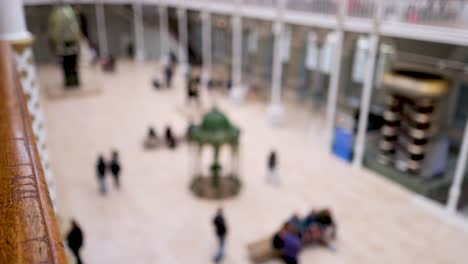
(297, 223)
(277, 240)
(319, 228)
(326, 223)
(151, 140)
(171, 141)
(291, 245)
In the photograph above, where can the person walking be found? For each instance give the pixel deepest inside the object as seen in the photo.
(170, 139)
(221, 231)
(168, 73)
(75, 240)
(115, 168)
(272, 168)
(101, 174)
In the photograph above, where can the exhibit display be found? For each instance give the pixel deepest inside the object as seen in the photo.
(215, 131)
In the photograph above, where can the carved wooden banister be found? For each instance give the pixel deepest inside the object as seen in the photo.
(28, 228)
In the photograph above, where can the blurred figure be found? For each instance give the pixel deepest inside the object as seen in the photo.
(221, 231)
(277, 241)
(172, 58)
(75, 240)
(151, 140)
(272, 168)
(192, 92)
(291, 245)
(108, 64)
(64, 38)
(171, 142)
(115, 168)
(168, 73)
(101, 174)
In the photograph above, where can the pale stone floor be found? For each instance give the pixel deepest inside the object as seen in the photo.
(155, 219)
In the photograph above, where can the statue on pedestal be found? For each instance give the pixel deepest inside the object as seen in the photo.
(64, 37)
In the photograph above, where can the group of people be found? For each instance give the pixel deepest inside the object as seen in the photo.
(102, 167)
(152, 141)
(317, 227)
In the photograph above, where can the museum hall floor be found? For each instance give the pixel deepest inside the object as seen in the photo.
(155, 219)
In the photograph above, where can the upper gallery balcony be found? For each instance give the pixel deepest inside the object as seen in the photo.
(443, 21)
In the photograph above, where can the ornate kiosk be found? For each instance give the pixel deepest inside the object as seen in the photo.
(215, 131)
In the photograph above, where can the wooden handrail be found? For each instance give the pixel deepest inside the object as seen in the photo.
(28, 229)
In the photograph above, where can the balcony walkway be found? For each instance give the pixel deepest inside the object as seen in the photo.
(154, 219)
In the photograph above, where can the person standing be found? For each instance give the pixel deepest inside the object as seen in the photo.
(75, 240)
(115, 168)
(192, 92)
(221, 231)
(168, 73)
(272, 168)
(101, 174)
(170, 139)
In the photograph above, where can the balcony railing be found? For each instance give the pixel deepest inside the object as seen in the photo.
(360, 8)
(261, 3)
(445, 13)
(28, 229)
(313, 6)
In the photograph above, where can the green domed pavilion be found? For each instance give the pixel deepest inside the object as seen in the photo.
(215, 131)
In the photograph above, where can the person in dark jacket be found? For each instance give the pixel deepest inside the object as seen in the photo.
(115, 168)
(170, 139)
(168, 73)
(272, 168)
(221, 231)
(101, 174)
(193, 92)
(75, 240)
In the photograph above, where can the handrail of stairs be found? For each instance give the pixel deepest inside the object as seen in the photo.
(28, 229)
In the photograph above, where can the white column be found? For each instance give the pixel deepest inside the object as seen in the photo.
(455, 189)
(237, 89)
(183, 43)
(164, 34)
(206, 39)
(139, 34)
(334, 84)
(12, 21)
(275, 110)
(101, 30)
(366, 97)
(333, 89)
